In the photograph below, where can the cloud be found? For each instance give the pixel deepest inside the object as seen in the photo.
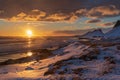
(56, 10)
(81, 12)
(81, 31)
(34, 15)
(1, 11)
(72, 32)
(96, 12)
(37, 15)
(103, 11)
(93, 21)
(86, 27)
(107, 24)
(57, 17)
(69, 32)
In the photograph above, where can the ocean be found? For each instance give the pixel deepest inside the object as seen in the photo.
(17, 47)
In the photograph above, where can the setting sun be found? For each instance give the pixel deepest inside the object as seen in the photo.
(29, 33)
(29, 53)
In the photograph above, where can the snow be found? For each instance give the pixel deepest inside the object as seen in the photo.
(114, 33)
(94, 34)
(98, 69)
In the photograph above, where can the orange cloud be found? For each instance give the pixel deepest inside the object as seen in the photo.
(22, 14)
(95, 12)
(1, 11)
(81, 12)
(57, 17)
(34, 15)
(103, 11)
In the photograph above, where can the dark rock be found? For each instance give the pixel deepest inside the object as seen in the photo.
(117, 24)
(29, 68)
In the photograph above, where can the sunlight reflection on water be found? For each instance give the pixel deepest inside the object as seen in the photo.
(15, 48)
(29, 43)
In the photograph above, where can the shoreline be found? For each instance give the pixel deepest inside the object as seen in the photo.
(38, 54)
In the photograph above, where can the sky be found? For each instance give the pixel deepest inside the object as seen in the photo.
(56, 17)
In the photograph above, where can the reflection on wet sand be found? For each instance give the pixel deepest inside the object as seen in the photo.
(29, 53)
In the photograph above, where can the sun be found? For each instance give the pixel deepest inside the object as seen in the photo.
(29, 53)
(29, 33)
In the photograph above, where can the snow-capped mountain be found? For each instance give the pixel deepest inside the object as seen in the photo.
(115, 32)
(94, 34)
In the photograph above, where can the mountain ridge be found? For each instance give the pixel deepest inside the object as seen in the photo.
(115, 32)
(93, 34)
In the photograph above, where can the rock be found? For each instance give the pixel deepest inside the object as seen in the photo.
(117, 24)
(29, 68)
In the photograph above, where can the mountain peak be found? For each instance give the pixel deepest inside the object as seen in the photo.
(94, 34)
(117, 24)
(97, 30)
(115, 32)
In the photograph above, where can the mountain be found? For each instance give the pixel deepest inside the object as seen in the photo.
(94, 34)
(115, 32)
(117, 24)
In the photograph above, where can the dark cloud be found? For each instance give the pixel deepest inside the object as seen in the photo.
(107, 24)
(72, 32)
(57, 10)
(81, 31)
(93, 21)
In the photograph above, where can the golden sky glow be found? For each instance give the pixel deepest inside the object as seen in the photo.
(56, 17)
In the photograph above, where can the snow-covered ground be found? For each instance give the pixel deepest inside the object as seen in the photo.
(76, 61)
